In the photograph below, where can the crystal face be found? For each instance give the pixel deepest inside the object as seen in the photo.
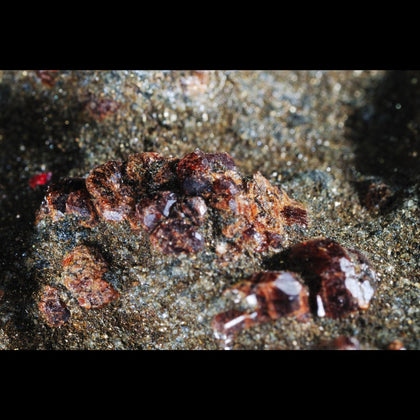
(270, 296)
(341, 281)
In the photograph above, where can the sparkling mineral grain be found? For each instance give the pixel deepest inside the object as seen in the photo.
(83, 270)
(39, 179)
(52, 308)
(269, 295)
(340, 280)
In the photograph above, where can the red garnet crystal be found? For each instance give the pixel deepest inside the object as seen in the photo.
(68, 196)
(52, 307)
(340, 280)
(169, 198)
(40, 179)
(270, 295)
(113, 198)
(83, 274)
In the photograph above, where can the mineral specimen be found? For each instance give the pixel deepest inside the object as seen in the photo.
(169, 198)
(39, 179)
(48, 77)
(100, 108)
(52, 307)
(113, 198)
(68, 196)
(270, 295)
(83, 274)
(340, 280)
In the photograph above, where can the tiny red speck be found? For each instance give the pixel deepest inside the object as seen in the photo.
(40, 179)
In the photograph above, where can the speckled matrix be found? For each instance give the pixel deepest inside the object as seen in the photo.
(345, 144)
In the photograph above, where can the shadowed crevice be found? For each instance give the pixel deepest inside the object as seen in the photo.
(385, 133)
(36, 133)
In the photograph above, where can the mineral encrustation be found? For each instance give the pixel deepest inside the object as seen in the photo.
(169, 199)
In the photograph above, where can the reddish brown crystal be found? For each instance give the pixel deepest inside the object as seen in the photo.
(193, 209)
(175, 236)
(151, 211)
(173, 221)
(270, 296)
(100, 108)
(198, 170)
(52, 308)
(276, 294)
(226, 324)
(340, 280)
(261, 211)
(83, 274)
(68, 196)
(150, 172)
(48, 77)
(113, 198)
(169, 198)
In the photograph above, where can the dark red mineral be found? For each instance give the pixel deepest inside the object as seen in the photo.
(48, 77)
(100, 108)
(112, 196)
(83, 274)
(40, 179)
(52, 308)
(68, 196)
(173, 221)
(270, 295)
(340, 280)
(169, 199)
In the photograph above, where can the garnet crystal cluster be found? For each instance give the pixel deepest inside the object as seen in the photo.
(326, 279)
(185, 205)
(169, 199)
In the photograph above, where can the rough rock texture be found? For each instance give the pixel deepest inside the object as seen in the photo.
(345, 144)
